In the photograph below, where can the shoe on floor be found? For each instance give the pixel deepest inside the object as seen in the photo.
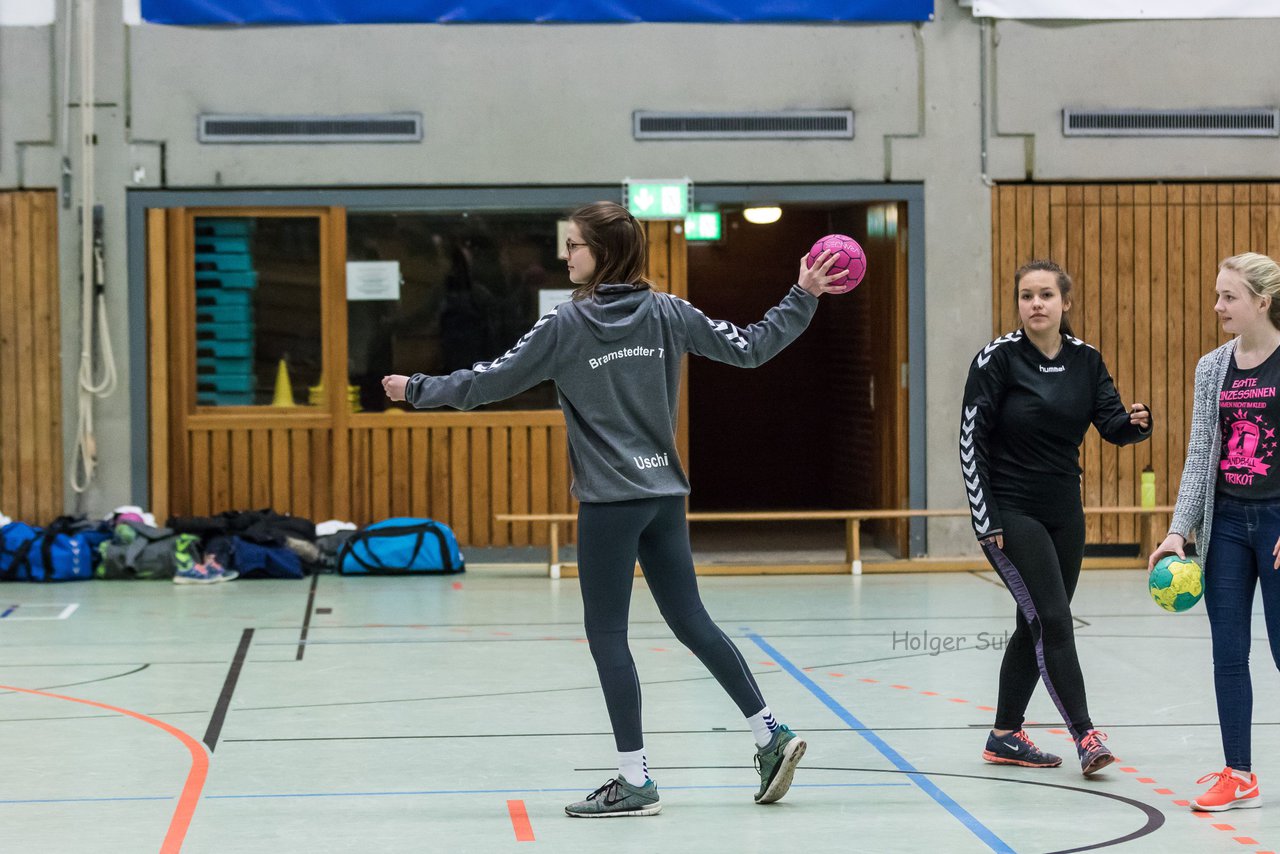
(1017, 749)
(1228, 792)
(618, 798)
(777, 763)
(1094, 755)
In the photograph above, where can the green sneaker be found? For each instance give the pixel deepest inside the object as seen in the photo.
(777, 764)
(618, 798)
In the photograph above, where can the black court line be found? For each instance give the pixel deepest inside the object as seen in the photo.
(306, 619)
(228, 688)
(1155, 817)
(85, 681)
(981, 575)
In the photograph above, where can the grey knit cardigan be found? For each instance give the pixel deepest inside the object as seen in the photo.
(1194, 510)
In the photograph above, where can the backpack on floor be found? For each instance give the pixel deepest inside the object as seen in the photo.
(401, 546)
(139, 551)
(66, 550)
(15, 541)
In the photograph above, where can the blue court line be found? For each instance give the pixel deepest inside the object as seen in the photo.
(9, 611)
(524, 791)
(978, 829)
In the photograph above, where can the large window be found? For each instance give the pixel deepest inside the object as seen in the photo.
(257, 307)
(434, 293)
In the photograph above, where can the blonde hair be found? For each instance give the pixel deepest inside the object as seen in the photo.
(1262, 275)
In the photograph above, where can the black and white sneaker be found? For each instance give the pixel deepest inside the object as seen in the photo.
(618, 798)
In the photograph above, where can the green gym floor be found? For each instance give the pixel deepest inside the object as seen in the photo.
(461, 713)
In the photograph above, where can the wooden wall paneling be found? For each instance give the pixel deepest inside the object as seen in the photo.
(1026, 223)
(10, 486)
(1006, 318)
(440, 508)
(241, 470)
(560, 500)
(520, 531)
(1166, 481)
(379, 474)
(401, 472)
(1273, 220)
(357, 466)
(333, 276)
(158, 355)
(1040, 236)
(419, 465)
(321, 461)
(1125, 349)
(1179, 405)
(21, 305)
(260, 467)
(1090, 276)
(500, 483)
(302, 483)
(1140, 329)
(45, 387)
(539, 492)
(281, 459)
(181, 276)
(200, 497)
(1107, 286)
(1258, 219)
(1210, 238)
(478, 486)
(459, 492)
(219, 471)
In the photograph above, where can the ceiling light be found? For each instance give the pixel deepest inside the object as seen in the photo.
(762, 216)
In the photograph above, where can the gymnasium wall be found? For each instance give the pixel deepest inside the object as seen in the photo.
(531, 105)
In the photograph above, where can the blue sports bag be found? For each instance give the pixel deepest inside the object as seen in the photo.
(401, 546)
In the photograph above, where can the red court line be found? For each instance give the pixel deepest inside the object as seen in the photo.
(195, 777)
(520, 821)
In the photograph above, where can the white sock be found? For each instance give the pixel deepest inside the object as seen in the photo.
(762, 726)
(634, 767)
(1245, 776)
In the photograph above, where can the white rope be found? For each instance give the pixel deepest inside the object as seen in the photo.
(92, 274)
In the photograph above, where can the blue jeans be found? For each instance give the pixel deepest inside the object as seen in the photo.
(1244, 533)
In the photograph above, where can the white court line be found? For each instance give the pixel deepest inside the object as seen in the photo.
(24, 611)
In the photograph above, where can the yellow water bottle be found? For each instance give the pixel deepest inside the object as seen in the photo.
(1148, 487)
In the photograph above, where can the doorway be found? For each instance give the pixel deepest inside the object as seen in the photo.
(824, 425)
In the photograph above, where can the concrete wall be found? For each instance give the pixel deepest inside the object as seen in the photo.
(528, 105)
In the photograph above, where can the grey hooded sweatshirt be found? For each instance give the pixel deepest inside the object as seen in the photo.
(615, 359)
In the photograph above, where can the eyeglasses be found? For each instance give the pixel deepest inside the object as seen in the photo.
(569, 246)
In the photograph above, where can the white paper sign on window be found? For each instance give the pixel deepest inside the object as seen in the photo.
(373, 280)
(549, 298)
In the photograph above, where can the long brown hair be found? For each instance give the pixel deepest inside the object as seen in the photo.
(1062, 279)
(617, 243)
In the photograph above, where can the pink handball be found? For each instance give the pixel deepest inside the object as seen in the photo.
(849, 257)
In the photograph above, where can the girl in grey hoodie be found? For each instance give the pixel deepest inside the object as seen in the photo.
(615, 352)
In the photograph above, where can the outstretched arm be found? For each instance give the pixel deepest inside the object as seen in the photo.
(525, 365)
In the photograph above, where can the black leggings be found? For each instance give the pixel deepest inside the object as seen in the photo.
(1040, 564)
(610, 537)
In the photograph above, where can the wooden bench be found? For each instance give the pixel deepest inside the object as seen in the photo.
(853, 562)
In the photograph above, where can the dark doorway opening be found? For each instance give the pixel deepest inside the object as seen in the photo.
(824, 424)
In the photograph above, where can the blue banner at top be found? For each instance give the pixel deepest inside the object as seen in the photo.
(255, 12)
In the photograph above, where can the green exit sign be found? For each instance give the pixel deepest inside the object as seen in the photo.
(655, 199)
(702, 225)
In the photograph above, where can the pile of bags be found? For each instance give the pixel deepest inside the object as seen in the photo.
(237, 544)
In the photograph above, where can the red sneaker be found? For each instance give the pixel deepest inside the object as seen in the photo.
(1228, 792)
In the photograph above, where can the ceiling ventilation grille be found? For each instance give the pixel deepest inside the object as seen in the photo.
(783, 124)
(389, 127)
(1252, 121)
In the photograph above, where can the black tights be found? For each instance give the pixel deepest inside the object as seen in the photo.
(610, 537)
(1040, 564)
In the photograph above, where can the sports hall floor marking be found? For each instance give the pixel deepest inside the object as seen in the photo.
(191, 789)
(930, 788)
(39, 611)
(520, 821)
(1127, 769)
